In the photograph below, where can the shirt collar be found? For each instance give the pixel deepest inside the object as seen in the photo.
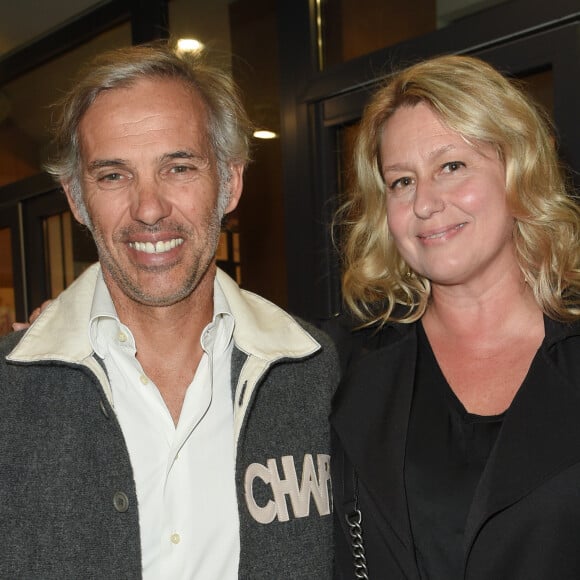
(105, 326)
(220, 330)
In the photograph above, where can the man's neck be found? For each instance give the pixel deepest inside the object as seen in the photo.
(167, 339)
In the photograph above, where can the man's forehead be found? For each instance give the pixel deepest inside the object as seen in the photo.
(146, 111)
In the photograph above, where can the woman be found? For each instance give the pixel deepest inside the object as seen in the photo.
(457, 424)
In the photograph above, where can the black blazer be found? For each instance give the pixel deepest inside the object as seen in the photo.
(524, 522)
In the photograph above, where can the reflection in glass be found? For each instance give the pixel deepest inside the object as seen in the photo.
(25, 112)
(540, 86)
(7, 306)
(69, 250)
(20, 27)
(59, 255)
(353, 28)
(346, 138)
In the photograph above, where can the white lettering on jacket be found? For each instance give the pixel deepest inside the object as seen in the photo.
(311, 486)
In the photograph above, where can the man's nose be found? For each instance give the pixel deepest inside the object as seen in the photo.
(149, 204)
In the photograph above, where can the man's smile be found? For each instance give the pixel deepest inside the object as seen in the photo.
(157, 247)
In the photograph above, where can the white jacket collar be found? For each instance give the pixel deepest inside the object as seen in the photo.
(261, 328)
(62, 331)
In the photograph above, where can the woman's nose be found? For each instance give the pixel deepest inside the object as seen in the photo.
(428, 200)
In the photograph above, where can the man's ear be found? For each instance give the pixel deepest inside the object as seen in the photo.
(235, 185)
(71, 202)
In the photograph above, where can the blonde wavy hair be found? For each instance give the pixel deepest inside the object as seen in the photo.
(476, 101)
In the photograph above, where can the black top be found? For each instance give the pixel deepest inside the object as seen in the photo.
(447, 450)
(524, 518)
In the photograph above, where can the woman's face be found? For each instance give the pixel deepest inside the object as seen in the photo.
(446, 200)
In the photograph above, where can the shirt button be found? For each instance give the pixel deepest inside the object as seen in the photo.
(122, 337)
(175, 538)
(121, 501)
(144, 379)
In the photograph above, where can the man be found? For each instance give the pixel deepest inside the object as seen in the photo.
(156, 420)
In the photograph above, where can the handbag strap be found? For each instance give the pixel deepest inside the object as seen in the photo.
(353, 517)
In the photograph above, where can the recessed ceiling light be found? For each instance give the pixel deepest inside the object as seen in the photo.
(189, 45)
(264, 134)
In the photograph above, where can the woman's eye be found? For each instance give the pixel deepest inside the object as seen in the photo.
(401, 182)
(452, 166)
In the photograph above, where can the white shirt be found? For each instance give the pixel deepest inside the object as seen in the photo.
(184, 474)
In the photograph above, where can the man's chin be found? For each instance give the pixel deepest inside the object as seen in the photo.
(158, 299)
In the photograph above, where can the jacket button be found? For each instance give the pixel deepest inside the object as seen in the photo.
(121, 501)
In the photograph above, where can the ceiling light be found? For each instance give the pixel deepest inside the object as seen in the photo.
(189, 45)
(265, 134)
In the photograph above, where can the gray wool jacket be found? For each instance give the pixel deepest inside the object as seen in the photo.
(68, 506)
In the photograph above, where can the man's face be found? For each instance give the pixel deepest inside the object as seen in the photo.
(150, 184)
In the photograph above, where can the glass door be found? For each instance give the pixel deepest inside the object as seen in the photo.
(58, 249)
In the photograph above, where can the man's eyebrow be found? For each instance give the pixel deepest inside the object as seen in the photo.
(100, 163)
(180, 154)
(183, 154)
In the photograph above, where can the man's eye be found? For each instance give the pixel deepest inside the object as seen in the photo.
(111, 177)
(179, 172)
(180, 169)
